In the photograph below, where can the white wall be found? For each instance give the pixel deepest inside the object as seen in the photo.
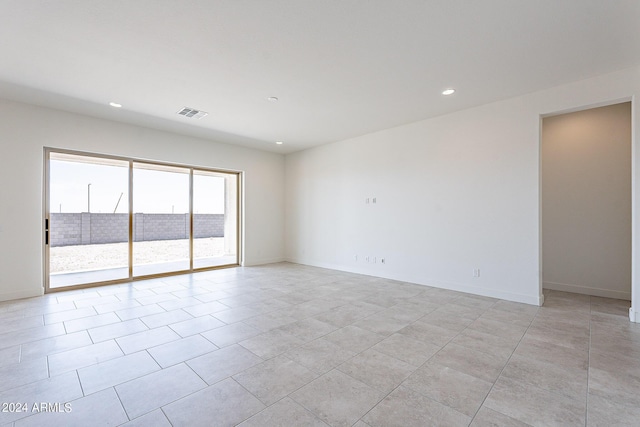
(26, 129)
(454, 193)
(586, 201)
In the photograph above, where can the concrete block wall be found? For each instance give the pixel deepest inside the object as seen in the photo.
(95, 228)
(65, 229)
(85, 228)
(161, 226)
(108, 228)
(208, 225)
(138, 227)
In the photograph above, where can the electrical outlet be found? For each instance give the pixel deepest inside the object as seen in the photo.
(476, 272)
(374, 200)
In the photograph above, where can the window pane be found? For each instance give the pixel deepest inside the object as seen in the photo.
(214, 219)
(89, 220)
(161, 220)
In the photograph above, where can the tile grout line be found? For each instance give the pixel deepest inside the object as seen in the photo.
(160, 407)
(355, 379)
(424, 363)
(504, 367)
(288, 396)
(538, 315)
(256, 397)
(314, 372)
(80, 382)
(122, 404)
(48, 368)
(146, 350)
(207, 385)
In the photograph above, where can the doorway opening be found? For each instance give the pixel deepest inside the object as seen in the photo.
(113, 219)
(586, 203)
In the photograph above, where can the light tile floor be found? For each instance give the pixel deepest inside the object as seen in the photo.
(290, 345)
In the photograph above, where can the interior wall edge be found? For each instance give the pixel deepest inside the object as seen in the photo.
(426, 176)
(587, 201)
(264, 261)
(536, 300)
(586, 290)
(27, 293)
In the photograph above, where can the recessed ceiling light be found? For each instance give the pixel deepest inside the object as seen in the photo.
(272, 99)
(448, 91)
(115, 104)
(279, 142)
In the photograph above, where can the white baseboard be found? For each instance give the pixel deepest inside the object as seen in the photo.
(30, 293)
(262, 261)
(634, 316)
(596, 292)
(537, 300)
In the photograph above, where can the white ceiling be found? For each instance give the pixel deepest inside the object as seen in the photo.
(341, 68)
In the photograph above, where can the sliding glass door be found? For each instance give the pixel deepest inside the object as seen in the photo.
(111, 219)
(215, 217)
(161, 219)
(88, 221)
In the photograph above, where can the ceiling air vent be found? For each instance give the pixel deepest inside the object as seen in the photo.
(192, 113)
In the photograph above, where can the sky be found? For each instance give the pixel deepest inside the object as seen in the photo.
(154, 191)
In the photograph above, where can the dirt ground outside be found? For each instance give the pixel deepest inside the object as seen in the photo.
(65, 259)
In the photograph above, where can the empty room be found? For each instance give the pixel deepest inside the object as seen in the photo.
(339, 213)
